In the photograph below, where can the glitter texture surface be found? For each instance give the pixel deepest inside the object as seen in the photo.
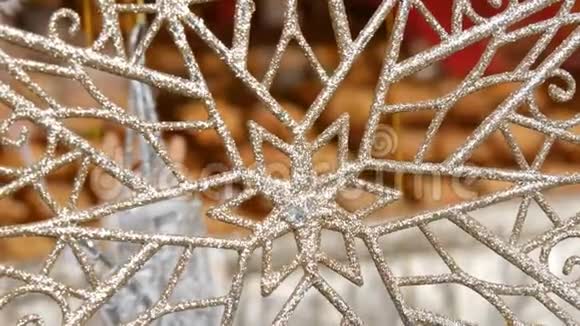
(305, 203)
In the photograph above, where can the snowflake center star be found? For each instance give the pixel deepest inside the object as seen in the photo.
(296, 214)
(301, 209)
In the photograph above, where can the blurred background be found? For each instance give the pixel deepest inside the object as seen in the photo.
(295, 87)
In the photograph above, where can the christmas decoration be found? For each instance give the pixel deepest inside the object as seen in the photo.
(304, 203)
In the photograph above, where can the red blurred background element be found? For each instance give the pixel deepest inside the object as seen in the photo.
(463, 61)
(460, 63)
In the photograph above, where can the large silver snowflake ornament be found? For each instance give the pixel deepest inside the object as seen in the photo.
(305, 203)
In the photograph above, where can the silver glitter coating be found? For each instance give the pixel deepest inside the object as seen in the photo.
(304, 204)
